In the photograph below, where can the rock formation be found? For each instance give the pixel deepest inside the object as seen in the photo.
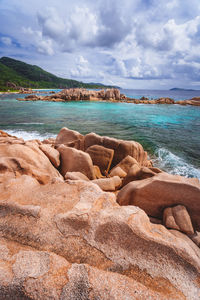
(112, 95)
(63, 237)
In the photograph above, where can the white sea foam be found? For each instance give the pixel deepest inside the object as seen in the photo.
(30, 135)
(34, 123)
(173, 164)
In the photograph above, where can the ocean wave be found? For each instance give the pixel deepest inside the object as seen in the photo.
(173, 164)
(30, 135)
(34, 123)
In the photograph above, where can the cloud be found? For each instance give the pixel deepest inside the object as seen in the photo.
(149, 42)
(42, 44)
(6, 41)
(82, 68)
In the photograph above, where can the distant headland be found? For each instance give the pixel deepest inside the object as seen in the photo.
(16, 75)
(181, 89)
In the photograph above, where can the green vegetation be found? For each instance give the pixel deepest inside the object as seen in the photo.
(15, 73)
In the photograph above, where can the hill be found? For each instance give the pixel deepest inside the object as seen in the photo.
(17, 73)
(180, 89)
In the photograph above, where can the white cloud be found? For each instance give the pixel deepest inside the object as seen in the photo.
(151, 41)
(6, 41)
(42, 44)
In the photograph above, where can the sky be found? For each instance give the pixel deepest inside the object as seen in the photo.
(136, 44)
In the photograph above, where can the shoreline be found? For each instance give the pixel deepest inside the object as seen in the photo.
(76, 208)
(160, 156)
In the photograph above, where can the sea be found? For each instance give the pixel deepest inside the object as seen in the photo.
(169, 133)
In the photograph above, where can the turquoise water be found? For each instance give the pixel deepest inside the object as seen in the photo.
(170, 133)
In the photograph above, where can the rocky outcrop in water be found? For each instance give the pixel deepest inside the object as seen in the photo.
(63, 237)
(77, 94)
(112, 95)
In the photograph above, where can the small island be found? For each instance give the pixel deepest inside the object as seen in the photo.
(181, 89)
(110, 95)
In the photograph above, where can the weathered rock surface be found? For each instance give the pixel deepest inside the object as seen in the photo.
(77, 94)
(112, 95)
(71, 240)
(108, 184)
(97, 172)
(86, 226)
(155, 194)
(178, 218)
(187, 239)
(18, 157)
(67, 136)
(126, 163)
(75, 176)
(118, 171)
(194, 101)
(73, 160)
(101, 156)
(196, 238)
(52, 154)
(138, 173)
(121, 148)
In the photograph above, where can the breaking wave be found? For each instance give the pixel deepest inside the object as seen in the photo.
(26, 135)
(174, 164)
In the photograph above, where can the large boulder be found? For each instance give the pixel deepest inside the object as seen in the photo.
(118, 171)
(112, 94)
(27, 273)
(125, 164)
(101, 156)
(107, 251)
(196, 238)
(108, 184)
(155, 194)
(73, 160)
(52, 154)
(18, 157)
(138, 173)
(178, 218)
(75, 176)
(121, 148)
(66, 136)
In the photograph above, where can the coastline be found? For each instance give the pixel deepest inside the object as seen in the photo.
(159, 122)
(78, 208)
